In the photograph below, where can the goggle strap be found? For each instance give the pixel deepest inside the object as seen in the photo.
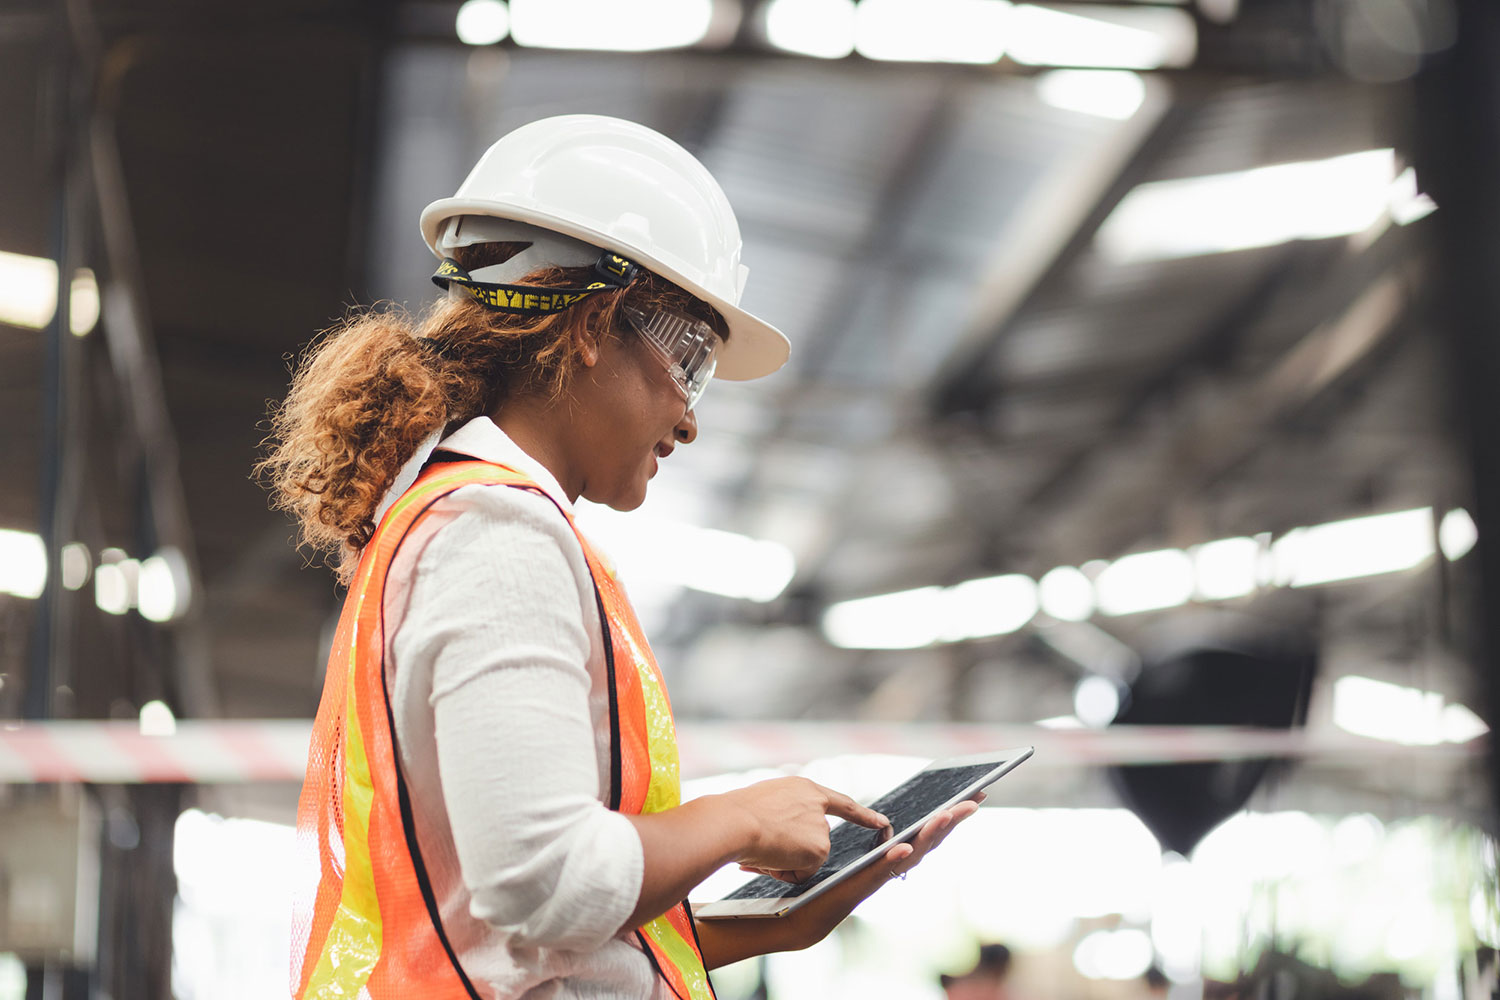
(533, 300)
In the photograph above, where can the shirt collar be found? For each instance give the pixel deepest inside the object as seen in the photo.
(480, 438)
(483, 439)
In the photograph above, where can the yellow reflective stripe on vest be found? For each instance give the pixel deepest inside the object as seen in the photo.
(431, 489)
(682, 955)
(353, 944)
(665, 789)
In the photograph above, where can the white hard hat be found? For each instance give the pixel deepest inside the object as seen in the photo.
(625, 188)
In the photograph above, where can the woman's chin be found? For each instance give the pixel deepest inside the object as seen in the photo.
(625, 500)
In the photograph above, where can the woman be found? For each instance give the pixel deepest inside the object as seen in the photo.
(491, 806)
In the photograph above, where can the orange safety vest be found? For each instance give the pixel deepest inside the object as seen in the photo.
(372, 929)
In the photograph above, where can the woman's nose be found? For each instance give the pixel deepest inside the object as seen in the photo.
(687, 427)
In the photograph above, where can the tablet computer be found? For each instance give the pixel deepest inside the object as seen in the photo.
(852, 847)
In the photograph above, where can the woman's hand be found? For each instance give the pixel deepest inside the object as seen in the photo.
(726, 941)
(777, 826)
(790, 841)
(902, 858)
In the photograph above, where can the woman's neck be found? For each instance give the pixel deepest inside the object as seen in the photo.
(541, 430)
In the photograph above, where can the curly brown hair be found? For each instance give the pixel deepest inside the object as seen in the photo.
(366, 391)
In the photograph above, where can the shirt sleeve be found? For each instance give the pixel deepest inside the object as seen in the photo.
(497, 606)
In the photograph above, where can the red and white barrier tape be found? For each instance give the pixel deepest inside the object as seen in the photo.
(234, 751)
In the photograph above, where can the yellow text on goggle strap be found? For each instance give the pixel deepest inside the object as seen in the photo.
(504, 298)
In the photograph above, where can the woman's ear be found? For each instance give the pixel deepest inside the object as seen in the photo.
(586, 339)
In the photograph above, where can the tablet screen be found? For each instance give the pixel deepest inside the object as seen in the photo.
(904, 805)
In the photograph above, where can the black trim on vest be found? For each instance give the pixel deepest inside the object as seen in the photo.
(651, 957)
(616, 793)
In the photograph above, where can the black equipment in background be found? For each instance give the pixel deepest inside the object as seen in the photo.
(1261, 680)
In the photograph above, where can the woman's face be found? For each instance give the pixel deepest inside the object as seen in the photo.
(635, 416)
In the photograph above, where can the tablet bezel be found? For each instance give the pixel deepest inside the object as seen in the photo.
(779, 906)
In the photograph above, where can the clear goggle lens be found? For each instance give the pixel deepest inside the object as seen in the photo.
(688, 346)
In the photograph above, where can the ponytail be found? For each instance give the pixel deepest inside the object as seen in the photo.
(367, 391)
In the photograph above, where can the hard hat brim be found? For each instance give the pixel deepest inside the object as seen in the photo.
(753, 348)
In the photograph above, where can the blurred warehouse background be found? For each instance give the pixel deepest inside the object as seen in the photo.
(1141, 407)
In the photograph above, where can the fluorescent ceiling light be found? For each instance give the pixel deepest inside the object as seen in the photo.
(909, 619)
(906, 619)
(1407, 204)
(1266, 206)
(1103, 93)
(162, 589)
(957, 31)
(1121, 954)
(28, 294)
(1066, 594)
(28, 290)
(637, 26)
(1148, 581)
(83, 302)
(733, 565)
(114, 582)
(1410, 716)
(482, 22)
(1226, 568)
(1087, 36)
(157, 719)
(996, 605)
(1358, 547)
(1096, 701)
(23, 564)
(76, 564)
(821, 28)
(657, 551)
(1457, 533)
(1145, 581)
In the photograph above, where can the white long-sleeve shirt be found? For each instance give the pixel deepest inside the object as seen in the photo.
(495, 661)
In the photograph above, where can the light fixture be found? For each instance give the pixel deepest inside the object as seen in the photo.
(820, 28)
(1088, 36)
(906, 619)
(1104, 93)
(1145, 581)
(1265, 206)
(910, 619)
(23, 563)
(1407, 204)
(76, 564)
(28, 290)
(1119, 954)
(1218, 570)
(661, 551)
(1066, 594)
(996, 605)
(482, 22)
(157, 719)
(28, 294)
(83, 303)
(1096, 701)
(1357, 547)
(1457, 533)
(1397, 714)
(638, 26)
(1226, 568)
(163, 586)
(956, 31)
(114, 582)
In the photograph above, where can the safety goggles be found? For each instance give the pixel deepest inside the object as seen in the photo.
(688, 346)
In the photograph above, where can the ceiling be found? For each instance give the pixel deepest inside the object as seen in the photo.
(976, 387)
